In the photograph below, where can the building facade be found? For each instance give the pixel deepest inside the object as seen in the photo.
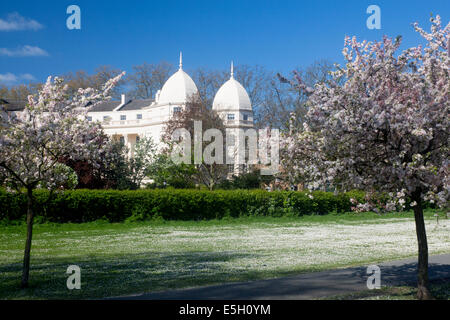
(129, 120)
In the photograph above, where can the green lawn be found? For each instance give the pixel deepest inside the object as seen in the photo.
(130, 258)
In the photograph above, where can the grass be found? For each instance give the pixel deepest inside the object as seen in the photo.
(130, 258)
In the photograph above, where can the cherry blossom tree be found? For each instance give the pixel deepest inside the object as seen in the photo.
(142, 162)
(382, 125)
(209, 175)
(33, 143)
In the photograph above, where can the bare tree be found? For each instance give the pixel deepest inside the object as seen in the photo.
(208, 83)
(283, 103)
(256, 80)
(19, 93)
(206, 174)
(278, 104)
(147, 79)
(82, 79)
(273, 97)
(317, 72)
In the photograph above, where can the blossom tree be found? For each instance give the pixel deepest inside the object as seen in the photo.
(142, 161)
(385, 128)
(210, 175)
(34, 142)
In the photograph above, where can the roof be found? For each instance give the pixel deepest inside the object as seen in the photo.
(178, 88)
(136, 104)
(130, 105)
(105, 106)
(11, 105)
(232, 96)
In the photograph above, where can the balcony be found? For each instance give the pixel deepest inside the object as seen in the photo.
(238, 122)
(123, 122)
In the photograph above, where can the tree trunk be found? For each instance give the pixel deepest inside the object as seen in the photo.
(423, 292)
(26, 257)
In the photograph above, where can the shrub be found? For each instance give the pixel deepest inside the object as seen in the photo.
(170, 204)
(250, 180)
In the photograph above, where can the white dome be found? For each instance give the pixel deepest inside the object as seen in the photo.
(232, 96)
(177, 89)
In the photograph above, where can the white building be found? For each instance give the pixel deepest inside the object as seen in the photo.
(128, 120)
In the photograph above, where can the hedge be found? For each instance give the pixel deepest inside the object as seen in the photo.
(170, 204)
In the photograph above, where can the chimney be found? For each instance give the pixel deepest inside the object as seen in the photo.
(122, 103)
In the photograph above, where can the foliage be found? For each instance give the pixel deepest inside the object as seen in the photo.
(386, 127)
(273, 99)
(115, 169)
(248, 180)
(114, 205)
(381, 124)
(51, 127)
(141, 162)
(209, 175)
(166, 173)
(81, 79)
(35, 142)
(108, 171)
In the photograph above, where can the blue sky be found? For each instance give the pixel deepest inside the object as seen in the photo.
(279, 35)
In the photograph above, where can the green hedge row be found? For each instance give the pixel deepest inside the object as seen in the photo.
(170, 204)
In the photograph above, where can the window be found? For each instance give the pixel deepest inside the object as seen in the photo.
(122, 140)
(245, 117)
(139, 116)
(137, 139)
(230, 116)
(106, 118)
(89, 118)
(176, 109)
(230, 168)
(123, 117)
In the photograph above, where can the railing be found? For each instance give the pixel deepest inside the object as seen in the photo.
(160, 119)
(123, 122)
(238, 122)
(138, 122)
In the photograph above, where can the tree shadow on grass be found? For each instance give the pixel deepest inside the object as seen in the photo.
(133, 274)
(405, 274)
(119, 275)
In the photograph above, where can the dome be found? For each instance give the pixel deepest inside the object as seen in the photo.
(178, 88)
(232, 96)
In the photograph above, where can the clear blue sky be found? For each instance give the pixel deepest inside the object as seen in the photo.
(279, 35)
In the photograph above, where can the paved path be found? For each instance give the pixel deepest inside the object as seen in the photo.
(310, 285)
